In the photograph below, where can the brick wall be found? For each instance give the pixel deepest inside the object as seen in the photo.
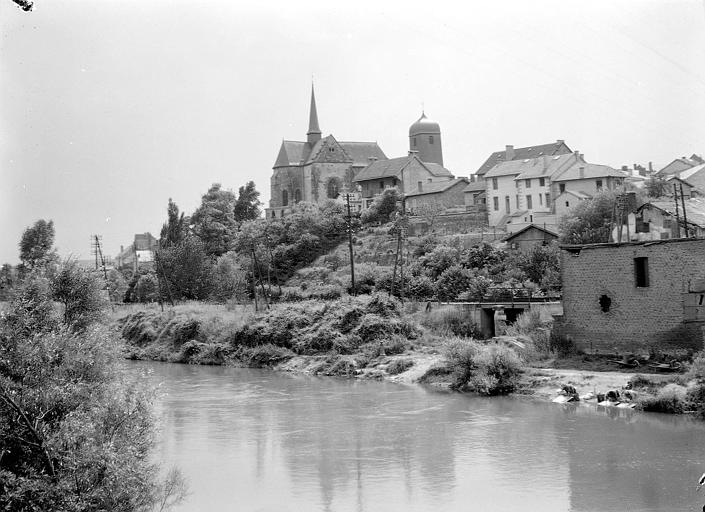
(638, 318)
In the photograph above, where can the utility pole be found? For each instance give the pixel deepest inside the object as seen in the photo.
(350, 246)
(678, 220)
(259, 274)
(685, 215)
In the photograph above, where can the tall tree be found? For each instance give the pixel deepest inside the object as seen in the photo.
(36, 244)
(247, 203)
(214, 221)
(589, 222)
(175, 228)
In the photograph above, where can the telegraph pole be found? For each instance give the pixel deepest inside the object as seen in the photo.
(350, 246)
(685, 215)
(678, 220)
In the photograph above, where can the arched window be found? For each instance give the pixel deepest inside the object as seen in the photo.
(430, 139)
(333, 191)
(297, 195)
(413, 141)
(285, 198)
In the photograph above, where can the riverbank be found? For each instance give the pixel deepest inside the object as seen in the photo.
(364, 338)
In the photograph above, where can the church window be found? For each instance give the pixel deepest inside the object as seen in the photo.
(297, 195)
(333, 188)
(285, 198)
(331, 149)
(413, 141)
(430, 139)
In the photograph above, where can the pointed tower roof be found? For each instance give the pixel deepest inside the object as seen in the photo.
(314, 132)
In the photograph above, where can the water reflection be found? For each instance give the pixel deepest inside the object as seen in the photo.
(256, 440)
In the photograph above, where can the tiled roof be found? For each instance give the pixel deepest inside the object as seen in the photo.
(361, 152)
(291, 152)
(530, 226)
(437, 186)
(393, 167)
(476, 186)
(554, 148)
(694, 209)
(532, 167)
(575, 193)
(684, 175)
(589, 171)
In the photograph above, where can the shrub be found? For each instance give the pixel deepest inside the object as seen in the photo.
(696, 371)
(399, 366)
(450, 320)
(80, 293)
(460, 358)
(562, 345)
(530, 325)
(264, 355)
(671, 399)
(394, 346)
(696, 400)
(452, 282)
(498, 372)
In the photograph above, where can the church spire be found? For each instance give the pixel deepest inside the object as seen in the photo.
(314, 132)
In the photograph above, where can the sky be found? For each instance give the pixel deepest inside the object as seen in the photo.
(108, 108)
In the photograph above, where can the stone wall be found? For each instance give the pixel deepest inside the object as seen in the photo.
(605, 310)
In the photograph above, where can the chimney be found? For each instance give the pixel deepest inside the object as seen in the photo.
(625, 168)
(651, 167)
(509, 153)
(582, 171)
(560, 141)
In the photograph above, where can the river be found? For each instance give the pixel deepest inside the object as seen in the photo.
(256, 440)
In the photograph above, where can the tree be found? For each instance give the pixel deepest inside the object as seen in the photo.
(229, 278)
(185, 270)
(214, 221)
(8, 281)
(590, 221)
(75, 433)
(543, 266)
(80, 293)
(430, 211)
(36, 245)
(117, 285)
(657, 187)
(175, 228)
(247, 203)
(382, 207)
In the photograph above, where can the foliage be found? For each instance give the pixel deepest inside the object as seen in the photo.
(228, 278)
(695, 399)
(657, 187)
(487, 369)
(36, 245)
(247, 203)
(452, 282)
(175, 228)
(696, 370)
(80, 293)
(429, 212)
(590, 221)
(382, 208)
(76, 434)
(531, 327)
(214, 221)
(542, 266)
(117, 286)
(451, 321)
(8, 281)
(399, 366)
(185, 270)
(670, 399)
(146, 288)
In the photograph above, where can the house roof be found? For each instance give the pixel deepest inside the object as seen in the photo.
(694, 209)
(676, 178)
(532, 167)
(530, 226)
(575, 193)
(393, 167)
(554, 148)
(437, 187)
(684, 175)
(589, 171)
(476, 186)
(293, 152)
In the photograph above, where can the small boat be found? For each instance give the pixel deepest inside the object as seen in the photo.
(673, 366)
(626, 363)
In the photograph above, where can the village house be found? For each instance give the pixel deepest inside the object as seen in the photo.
(634, 297)
(695, 177)
(317, 170)
(656, 220)
(523, 191)
(679, 165)
(475, 196)
(439, 194)
(139, 253)
(528, 238)
(511, 153)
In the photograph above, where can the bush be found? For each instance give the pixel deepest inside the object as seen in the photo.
(449, 320)
(460, 358)
(531, 326)
(696, 371)
(696, 400)
(498, 372)
(399, 366)
(562, 345)
(80, 293)
(670, 399)
(264, 355)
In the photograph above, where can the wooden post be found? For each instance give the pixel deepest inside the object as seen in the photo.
(685, 215)
(678, 220)
(350, 246)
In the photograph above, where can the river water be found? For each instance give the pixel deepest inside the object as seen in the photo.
(256, 440)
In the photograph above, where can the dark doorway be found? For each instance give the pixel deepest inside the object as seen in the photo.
(487, 322)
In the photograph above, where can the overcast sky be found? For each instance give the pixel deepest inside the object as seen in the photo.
(110, 107)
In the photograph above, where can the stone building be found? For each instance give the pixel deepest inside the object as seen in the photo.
(632, 297)
(318, 169)
(528, 238)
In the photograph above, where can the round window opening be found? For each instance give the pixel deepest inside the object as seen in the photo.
(605, 303)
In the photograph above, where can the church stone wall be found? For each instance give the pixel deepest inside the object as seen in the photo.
(289, 179)
(323, 173)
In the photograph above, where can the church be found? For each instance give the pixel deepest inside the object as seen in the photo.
(323, 168)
